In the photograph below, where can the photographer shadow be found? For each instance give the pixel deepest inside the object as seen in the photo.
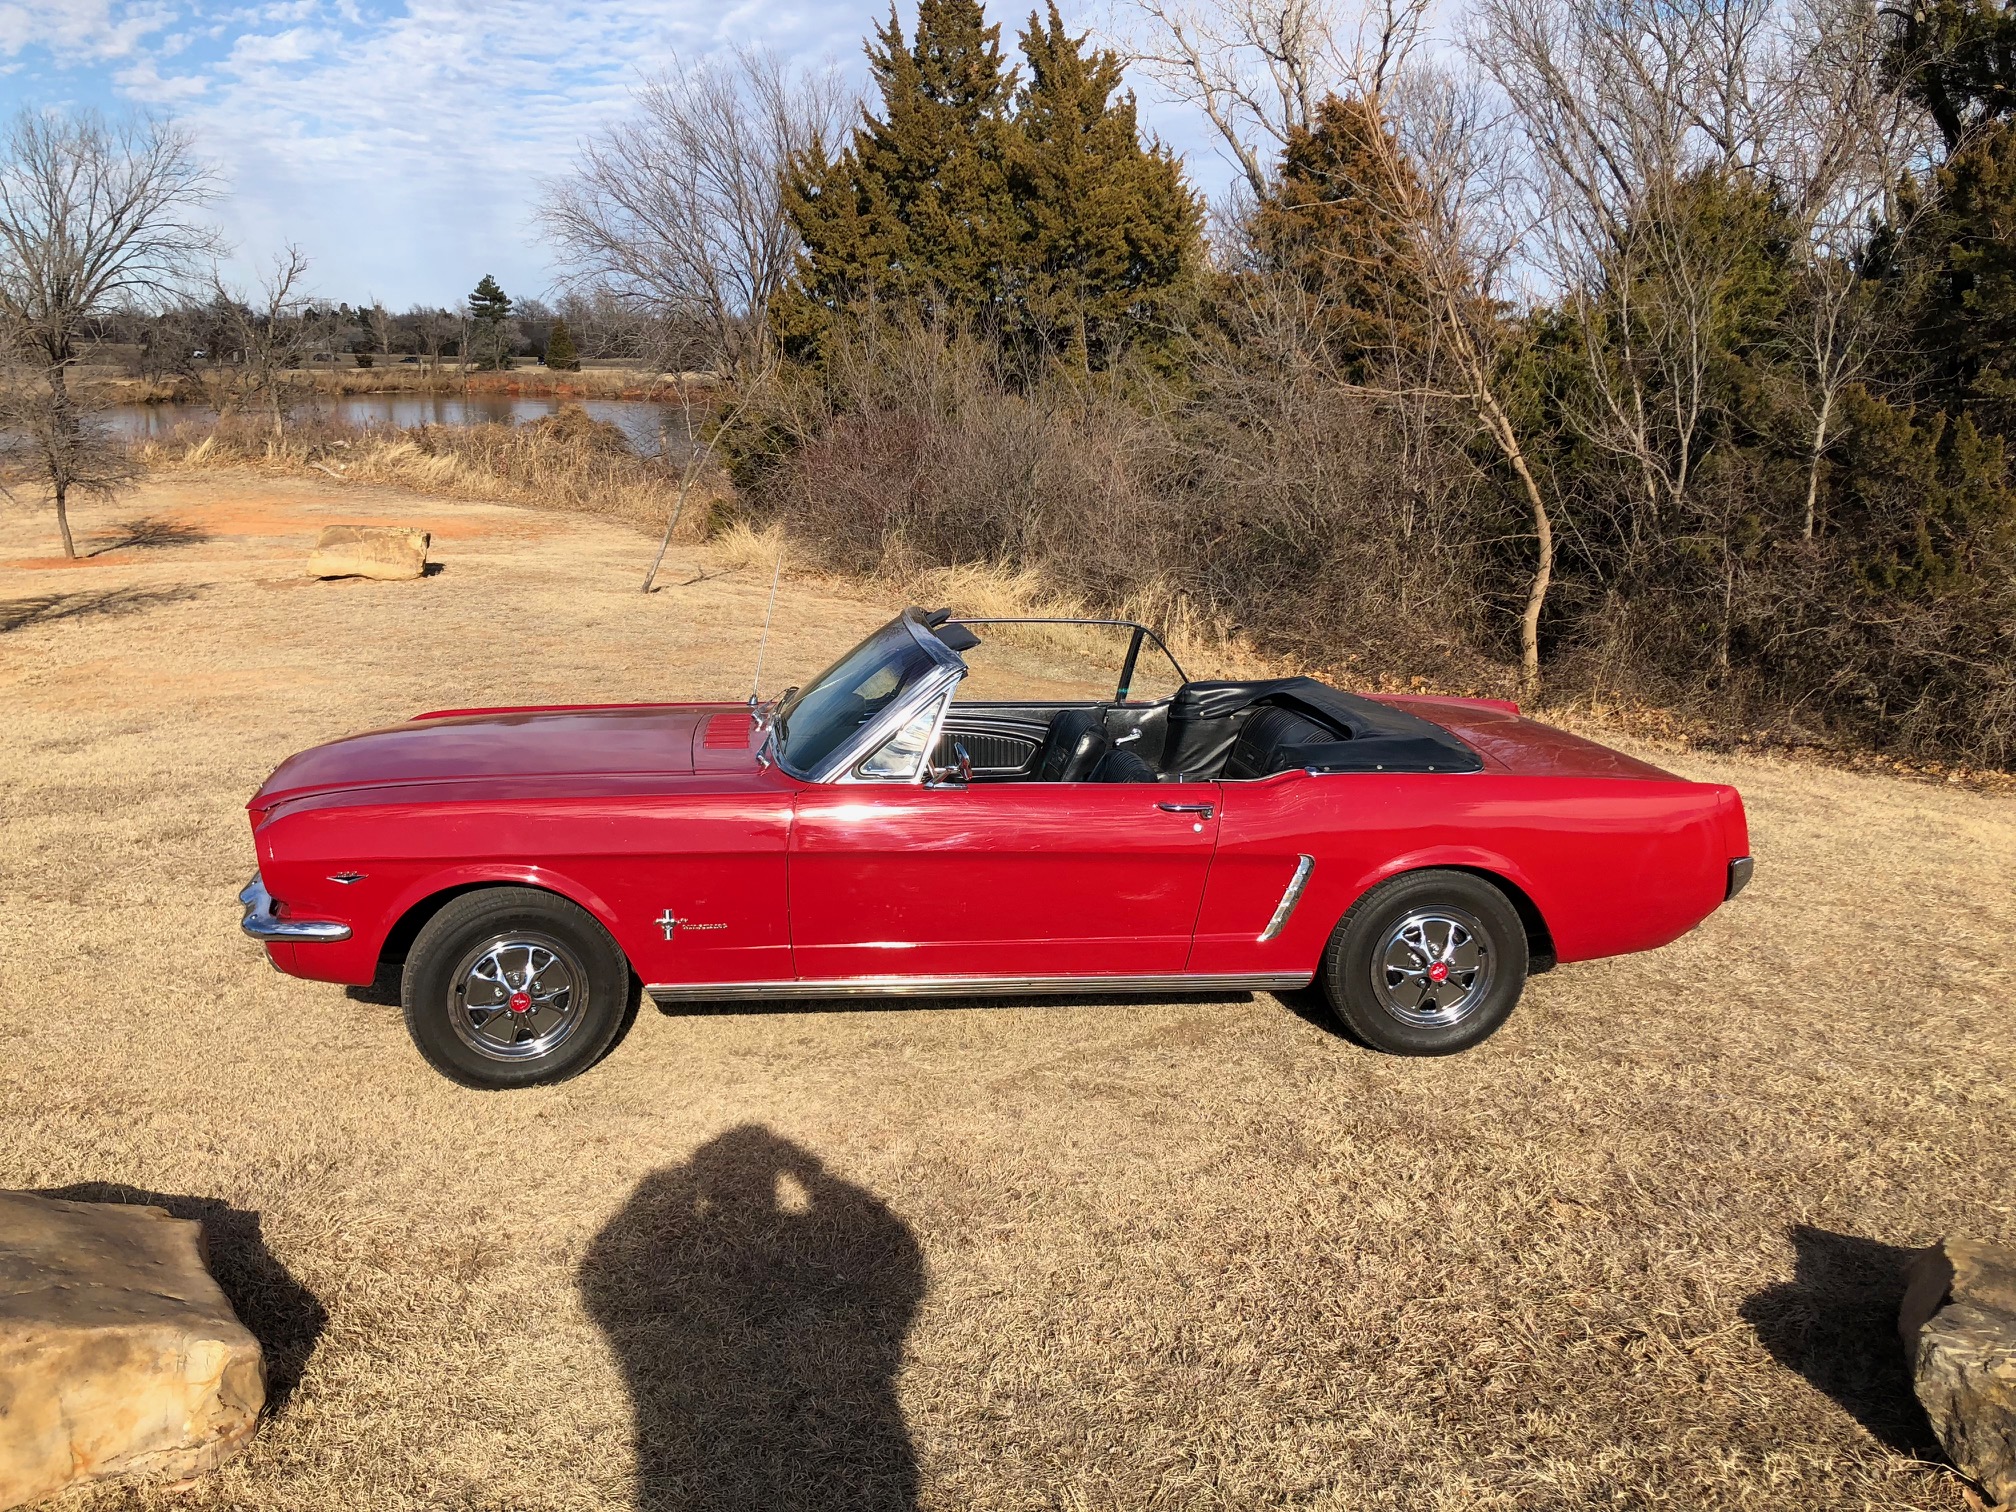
(758, 1306)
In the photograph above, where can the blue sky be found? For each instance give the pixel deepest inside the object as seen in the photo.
(399, 141)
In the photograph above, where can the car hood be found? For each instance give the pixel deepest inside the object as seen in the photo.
(505, 744)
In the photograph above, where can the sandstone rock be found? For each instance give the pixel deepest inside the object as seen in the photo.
(371, 551)
(119, 1354)
(1958, 1270)
(1959, 1322)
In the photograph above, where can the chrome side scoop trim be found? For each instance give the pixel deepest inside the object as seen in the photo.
(1285, 909)
(970, 986)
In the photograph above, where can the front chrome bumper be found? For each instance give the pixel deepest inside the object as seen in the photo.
(262, 923)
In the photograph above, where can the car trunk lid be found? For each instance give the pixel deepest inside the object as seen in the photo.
(1510, 742)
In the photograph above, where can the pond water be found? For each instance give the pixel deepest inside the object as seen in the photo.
(642, 421)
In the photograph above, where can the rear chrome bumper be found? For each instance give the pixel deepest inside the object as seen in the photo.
(263, 923)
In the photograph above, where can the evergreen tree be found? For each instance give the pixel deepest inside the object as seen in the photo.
(1957, 59)
(1109, 230)
(490, 323)
(560, 353)
(1329, 226)
(917, 209)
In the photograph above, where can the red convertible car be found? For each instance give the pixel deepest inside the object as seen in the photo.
(530, 870)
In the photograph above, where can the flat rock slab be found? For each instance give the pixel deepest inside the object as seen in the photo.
(370, 551)
(119, 1354)
(1959, 1322)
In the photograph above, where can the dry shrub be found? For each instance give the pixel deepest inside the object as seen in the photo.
(1285, 517)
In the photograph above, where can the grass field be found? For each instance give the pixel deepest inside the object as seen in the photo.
(1639, 1250)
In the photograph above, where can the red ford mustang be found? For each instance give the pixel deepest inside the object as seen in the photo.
(880, 832)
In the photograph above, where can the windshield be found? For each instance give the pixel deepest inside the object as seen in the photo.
(848, 694)
(1067, 661)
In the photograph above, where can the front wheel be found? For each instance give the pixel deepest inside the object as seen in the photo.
(1428, 963)
(513, 987)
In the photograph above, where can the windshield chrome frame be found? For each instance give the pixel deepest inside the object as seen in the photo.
(941, 683)
(840, 767)
(1144, 631)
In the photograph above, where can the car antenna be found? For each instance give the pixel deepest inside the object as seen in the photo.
(775, 573)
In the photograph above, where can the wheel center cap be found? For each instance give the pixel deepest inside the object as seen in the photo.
(521, 1002)
(1439, 972)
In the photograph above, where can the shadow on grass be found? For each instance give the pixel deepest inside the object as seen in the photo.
(758, 1305)
(90, 603)
(1835, 1322)
(149, 532)
(282, 1314)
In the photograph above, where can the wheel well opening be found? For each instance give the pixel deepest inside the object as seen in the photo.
(1540, 954)
(392, 954)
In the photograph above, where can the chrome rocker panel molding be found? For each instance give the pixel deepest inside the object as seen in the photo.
(260, 922)
(972, 986)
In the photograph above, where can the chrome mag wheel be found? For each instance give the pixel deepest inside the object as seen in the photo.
(1433, 968)
(517, 996)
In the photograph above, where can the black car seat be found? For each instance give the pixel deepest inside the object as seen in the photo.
(1266, 742)
(1072, 746)
(1122, 765)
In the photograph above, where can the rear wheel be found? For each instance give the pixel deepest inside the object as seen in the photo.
(513, 987)
(1428, 963)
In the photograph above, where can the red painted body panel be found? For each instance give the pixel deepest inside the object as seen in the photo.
(587, 743)
(1612, 866)
(623, 848)
(633, 810)
(1014, 879)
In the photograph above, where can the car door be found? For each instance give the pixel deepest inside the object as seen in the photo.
(1012, 880)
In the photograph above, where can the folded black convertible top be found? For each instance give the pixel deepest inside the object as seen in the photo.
(1374, 737)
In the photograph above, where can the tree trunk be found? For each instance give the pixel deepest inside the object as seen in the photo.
(62, 447)
(63, 523)
(1813, 464)
(1543, 575)
(672, 524)
(1500, 426)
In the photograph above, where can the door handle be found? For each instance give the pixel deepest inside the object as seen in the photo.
(1202, 810)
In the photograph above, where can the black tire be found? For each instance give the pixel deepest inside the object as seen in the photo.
(505, 944)
(1398, 931)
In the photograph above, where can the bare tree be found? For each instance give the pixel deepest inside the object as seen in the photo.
(1441, 173)
(1257, 69)
(699, 459)
(433, 328)
(680, 210)
(92, 216)
(277, 330)
(377, 320)
(1631, 112)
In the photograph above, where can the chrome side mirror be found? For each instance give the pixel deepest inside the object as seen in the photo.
(959, 774)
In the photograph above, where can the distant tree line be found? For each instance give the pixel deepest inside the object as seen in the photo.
(1651, 351)
(193, 336)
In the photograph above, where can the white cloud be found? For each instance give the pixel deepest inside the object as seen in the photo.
(143, 83)
(80, 31)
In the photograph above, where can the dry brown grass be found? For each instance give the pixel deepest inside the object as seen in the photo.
(591, 382)
(111, 385)
(1639, 1250)
(564, 461)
